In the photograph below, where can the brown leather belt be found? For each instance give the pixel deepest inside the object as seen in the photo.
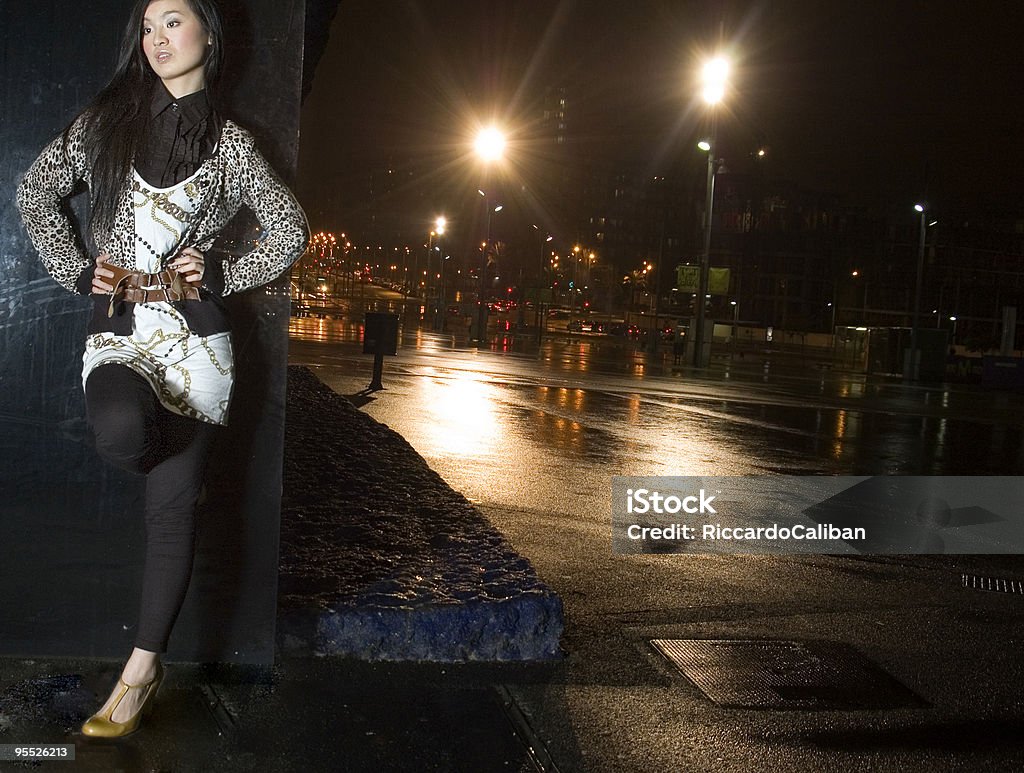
(140, 287)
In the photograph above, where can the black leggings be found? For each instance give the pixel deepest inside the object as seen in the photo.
(136, 433)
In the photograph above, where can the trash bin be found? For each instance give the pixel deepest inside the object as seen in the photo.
(380, 337)
(380, 333)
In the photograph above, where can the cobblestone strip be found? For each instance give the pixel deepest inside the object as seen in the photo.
(383, 560)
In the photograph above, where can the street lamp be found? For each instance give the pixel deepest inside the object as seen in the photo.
(705, 257)
(538, 301)
(735, 321)
(572, 290)
(488, 245)
(489, 147)
(864, 302)
(543, 255)
(915, 365)
(653, 335)
(426, 269)
(440, 316)
(714, 75)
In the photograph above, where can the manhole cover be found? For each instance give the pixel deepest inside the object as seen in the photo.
(767, 674)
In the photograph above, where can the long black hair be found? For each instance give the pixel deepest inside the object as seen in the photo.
(115, 121)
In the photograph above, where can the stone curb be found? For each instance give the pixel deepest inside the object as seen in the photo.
(383, 560)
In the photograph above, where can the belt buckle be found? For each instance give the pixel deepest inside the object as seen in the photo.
(114, 293)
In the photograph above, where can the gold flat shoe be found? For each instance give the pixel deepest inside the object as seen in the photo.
(100, 724)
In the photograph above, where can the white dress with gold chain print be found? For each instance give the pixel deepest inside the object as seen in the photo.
(191, 375)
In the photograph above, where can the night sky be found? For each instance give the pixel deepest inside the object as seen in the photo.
(882, 101)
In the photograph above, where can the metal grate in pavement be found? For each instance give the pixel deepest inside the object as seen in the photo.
(976, 582)
(772, 674)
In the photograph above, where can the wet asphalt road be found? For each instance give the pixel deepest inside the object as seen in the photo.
(575, 413)
(533, 438)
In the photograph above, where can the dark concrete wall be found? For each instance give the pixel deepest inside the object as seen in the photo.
(71, 531)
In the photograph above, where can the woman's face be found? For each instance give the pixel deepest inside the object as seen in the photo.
(175, 43)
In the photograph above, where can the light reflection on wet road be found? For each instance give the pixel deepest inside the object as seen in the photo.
(550, 428)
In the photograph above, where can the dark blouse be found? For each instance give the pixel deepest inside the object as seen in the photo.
(182, 133)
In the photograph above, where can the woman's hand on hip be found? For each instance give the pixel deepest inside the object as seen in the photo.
(191, 264)
(100, 274)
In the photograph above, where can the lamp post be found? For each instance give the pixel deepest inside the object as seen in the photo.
(538, 309)
(489, 147)
(655, 330)
(735, 322)
(864, 299)
(427, 273)
(915, 364)
(488, 246)
(572, 289)
(440, 315)
(714, 76)
(705, 256)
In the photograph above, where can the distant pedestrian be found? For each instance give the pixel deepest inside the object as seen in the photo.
(165, 173)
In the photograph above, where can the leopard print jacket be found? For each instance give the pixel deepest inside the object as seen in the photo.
(236, 174)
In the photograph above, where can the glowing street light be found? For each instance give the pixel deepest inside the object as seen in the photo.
(490, 144)
(714, 76)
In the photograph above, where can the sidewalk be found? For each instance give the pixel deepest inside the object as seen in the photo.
(380, 561)
(305, 714)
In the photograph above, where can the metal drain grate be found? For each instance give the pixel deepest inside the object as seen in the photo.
(771, 674)
(975, 582)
